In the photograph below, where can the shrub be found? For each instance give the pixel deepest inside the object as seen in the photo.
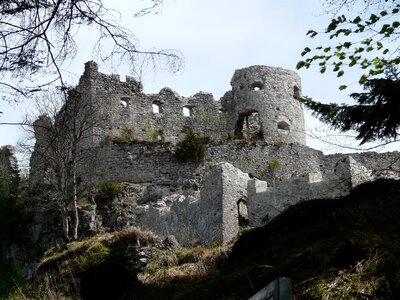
(11, 277)
(155, 135)
(240, 142)
(190, 148)
(109, 191)
(278, 144)
(274, 164)
(230, 136)
(125, 136)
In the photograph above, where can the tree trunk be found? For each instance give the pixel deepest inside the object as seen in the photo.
(75, 204)
(64, 220)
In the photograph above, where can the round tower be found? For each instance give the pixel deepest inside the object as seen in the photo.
(263, 104)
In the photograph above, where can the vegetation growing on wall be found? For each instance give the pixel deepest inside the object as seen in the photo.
(155, 135)
(190, 148)
(278, 144)
(125, 136)
(108, 191)
(274, 165)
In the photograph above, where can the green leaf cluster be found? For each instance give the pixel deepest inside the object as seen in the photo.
(359, 37)
(190, 148)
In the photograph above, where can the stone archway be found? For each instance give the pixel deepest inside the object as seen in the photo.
(243, 213)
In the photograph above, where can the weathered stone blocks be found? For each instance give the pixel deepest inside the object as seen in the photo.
(256, 163)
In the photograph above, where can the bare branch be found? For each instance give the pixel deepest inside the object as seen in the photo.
(38, 37)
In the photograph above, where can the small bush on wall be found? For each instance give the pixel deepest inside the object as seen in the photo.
(109, 191)
(155, 135)
(190, 148)
(125, 136)
(274, 164)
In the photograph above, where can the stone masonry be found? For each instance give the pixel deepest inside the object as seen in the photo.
(256, 163)
(9, 171)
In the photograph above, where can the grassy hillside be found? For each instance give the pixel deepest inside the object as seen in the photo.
(346, 248)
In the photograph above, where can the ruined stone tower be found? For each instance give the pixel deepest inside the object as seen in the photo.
(263, 105)
(130, 138)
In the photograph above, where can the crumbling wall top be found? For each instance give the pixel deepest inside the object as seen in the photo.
(91, 67)
(9, 170)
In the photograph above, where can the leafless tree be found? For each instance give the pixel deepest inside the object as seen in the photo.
(63, 135)
(37, 38)
(358, 6)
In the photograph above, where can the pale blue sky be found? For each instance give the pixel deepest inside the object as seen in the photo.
(215, 39)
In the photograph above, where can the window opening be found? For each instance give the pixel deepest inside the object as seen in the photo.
(296, 92)
(187, 111)
(257, 85)
(243, 213)
(156, 108)
(124, 102)
(248, 126)
(283, 126)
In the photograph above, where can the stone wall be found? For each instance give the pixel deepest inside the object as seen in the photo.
(155, 162)
(263, 103)
(267, 178)
(126, 112)
(9, 171)
(223, 187)
(137, 163)
(130, 137)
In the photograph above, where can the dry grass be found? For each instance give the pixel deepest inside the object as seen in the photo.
(363, 281)
(183, 264)
(332, 249)
(96, 243)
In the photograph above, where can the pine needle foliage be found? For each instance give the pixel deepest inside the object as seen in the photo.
(376, 116)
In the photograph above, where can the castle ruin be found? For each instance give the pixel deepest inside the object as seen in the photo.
(256, 162)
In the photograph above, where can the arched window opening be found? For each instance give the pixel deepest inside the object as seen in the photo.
(243, 213)
(124, 102)
(239, 127)
(257, 85)
(248, 126)
(187, 111)
(157, 109)
(283, 126)
(296, 92)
